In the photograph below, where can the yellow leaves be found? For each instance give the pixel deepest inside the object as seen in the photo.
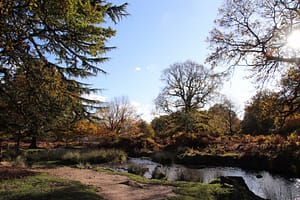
(33, 4)
(87, 127)
(294, 138)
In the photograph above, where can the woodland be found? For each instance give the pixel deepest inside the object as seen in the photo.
(43, 108)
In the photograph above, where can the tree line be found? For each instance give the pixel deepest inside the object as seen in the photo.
(45, 50)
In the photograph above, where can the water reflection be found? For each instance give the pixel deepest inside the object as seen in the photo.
(261, 183)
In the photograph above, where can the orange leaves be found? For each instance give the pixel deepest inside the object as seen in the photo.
(87, 127)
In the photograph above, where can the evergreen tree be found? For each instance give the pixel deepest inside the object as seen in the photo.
(45, 47)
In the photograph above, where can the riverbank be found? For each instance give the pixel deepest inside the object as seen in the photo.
(114, 186)
(62, 182)
(282, 164)
(275, 153)
(87, 157)
(262, 183)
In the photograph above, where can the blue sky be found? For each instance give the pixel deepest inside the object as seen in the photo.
(157, 34)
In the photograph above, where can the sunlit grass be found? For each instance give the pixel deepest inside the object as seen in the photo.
(186, 190)
(200, 191)
(45, 187)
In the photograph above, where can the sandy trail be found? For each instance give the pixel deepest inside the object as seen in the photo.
(113, 187)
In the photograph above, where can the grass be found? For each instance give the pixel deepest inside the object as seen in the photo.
(66, 156)
(42, 187)
(200, 191)
(192, 190)
(184, 190)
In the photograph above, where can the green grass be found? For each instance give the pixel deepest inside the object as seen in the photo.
(65, 156)
(201, 191)
(184, 190)
(192, 190)
(42, 187)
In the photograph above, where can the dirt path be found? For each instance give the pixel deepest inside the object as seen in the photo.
(113, 187)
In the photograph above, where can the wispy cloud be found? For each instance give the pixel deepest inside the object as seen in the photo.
(138, 69)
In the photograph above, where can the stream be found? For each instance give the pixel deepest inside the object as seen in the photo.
(262, 183)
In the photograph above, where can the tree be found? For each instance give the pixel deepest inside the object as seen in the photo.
(163, 126)
(67, 38)
(290, 100)
(117, 115)
(146, 129)
(188, 87)
(67, 34)
(262, 114)
(37, 101)
(290, 91)
(223, 120)
(253, 33)
(275, 111)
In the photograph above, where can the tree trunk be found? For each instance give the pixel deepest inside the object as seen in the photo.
(33, 144)
(0, 149)
(18, 142)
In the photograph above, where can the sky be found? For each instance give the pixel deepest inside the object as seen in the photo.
(156, 34)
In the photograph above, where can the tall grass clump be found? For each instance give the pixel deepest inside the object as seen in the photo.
(45, 154)
(76, 156)
(102, 156)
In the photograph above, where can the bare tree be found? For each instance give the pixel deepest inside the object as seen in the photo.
(188, 87)
(254, 33)
(117, 114)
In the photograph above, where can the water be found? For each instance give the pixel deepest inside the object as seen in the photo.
(262, 183)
